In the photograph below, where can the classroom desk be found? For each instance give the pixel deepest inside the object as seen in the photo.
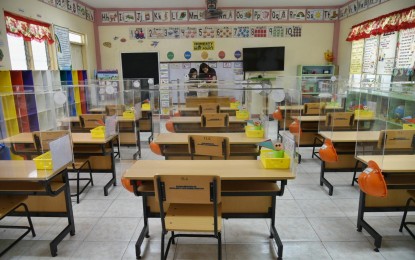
(174, 146)
(128, 131)
(248, 189)
(97, 110)
(48, 191)
(192, 124)
(345, 144)
(100, 152)
(194, 111)
(399, 174)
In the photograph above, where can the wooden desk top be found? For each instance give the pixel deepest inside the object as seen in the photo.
(196, 119)
(226, 169)
(197, 109)
(310, 118)
(301, 107)
(351, 136)
(77, 138)
(18, 170)
(75, 119)
(97, 109)
(391, 163)
(182, 138)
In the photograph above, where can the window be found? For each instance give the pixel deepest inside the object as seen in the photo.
(17, 52)
(77, 50)
(28, 42)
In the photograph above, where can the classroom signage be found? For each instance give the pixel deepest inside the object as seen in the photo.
(204, 46)
(228, 15)
(356, 57)
(63, 48)
(279, 14)
(370, 55)
(406, 51)
(187, 55)
(386, 56)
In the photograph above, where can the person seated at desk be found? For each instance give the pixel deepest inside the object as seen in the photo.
(193, 77)
(209, 74)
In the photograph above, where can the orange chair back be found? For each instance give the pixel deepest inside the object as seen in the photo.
(327, 152)
(371, 181)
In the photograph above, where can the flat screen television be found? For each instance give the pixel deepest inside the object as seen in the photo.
(263, 59)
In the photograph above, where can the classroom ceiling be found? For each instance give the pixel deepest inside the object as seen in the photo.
(202, 3)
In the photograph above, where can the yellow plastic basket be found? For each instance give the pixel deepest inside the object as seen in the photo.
(44, 161)
(235, 104)
(145, 106)
(254, 131)
(363, 114)
(98, 132)
(408, 126)
(128, 114)
(269, 160)
(242, 114)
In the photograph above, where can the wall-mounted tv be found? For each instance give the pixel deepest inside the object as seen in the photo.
(263, 59)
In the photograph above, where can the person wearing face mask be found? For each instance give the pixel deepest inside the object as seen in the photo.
(209, 74)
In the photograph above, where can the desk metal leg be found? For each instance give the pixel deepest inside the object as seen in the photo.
(138, 144)
(274, 233)
(113, 180)
(70, 228)
(323, 180)
(361, 223)
(144, 232)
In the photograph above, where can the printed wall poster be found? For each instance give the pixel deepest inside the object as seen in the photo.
(61, 4)
(227, 15)
(80, 10)
(344, 12)
(196, 15)
(161, 16)
(143, 16)
(241, 31)
(357, 57)
(386, 55)
(126, 16)
(137, 33)
(156, 32)
(406, 51)
(361, 5)
(259, 31)
(71, 6)
(49, 2)
(63, 48)
(314, 14)
(243, 14)
(206, 32)
(293, 31)
(262, 15)
(90, 16)
(276, 31)
(296, 14)
(371, 3)
(178, 15)
(172, 32)
(370, 55)
(352, 8)
(331, 14)
(224, 32)
(188, 32)
(279, 14)
(204, 46)
(109, 17)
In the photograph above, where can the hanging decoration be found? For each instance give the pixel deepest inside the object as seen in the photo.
(403, 19)
(28, 29)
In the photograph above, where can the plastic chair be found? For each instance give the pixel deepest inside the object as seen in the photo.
(8, 204)
(313, 109)
(215, 120)
(189, 203)
(404, 223)
(211, 146)
(42, 140)
(111, 110)
(209, 108)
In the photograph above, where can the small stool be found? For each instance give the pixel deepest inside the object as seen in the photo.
(9, 204)
(403, 223)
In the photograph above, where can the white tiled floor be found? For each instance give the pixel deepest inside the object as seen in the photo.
(311, 224)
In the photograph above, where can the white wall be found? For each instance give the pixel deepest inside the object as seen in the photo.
(308, 49)
(37, 10)
(346, 25)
